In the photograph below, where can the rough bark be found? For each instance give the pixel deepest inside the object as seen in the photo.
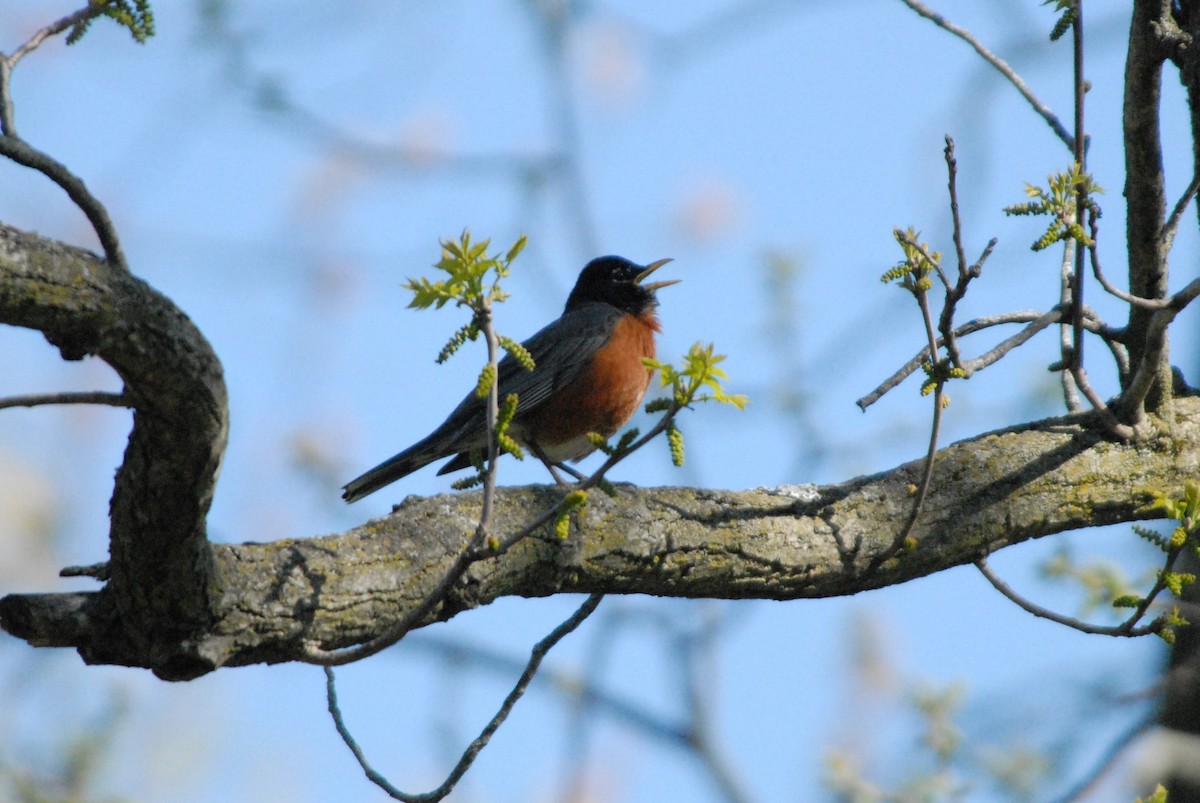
(1145, 194)
(160, 591)
(182, 607)
(783, 543)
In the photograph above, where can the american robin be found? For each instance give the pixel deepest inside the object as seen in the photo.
(588, 377)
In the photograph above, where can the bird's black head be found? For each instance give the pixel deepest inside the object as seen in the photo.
(617, 281)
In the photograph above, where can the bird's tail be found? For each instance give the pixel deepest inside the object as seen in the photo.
(414, 457)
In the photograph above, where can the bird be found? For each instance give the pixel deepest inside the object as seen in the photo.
(588, 376)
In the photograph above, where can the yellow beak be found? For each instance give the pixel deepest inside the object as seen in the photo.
(653, 266)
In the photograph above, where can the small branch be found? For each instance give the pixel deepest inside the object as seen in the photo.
(1166, 237)
(1107, 417)
(82, 397)
(1128, 298)
(8, 126)
(1000, 65)
(1155, 343)
(965, 273)
(586, 693)
(540, 650)
(1066, 377)
(1081, 203)
(53, 29)
(900, 541)
(98, 571)
(1126, 628)
(953, 293)
(697, 691)
(1079, 143)
(17, 150)
(977, 267)
(1086, 785)
(483, 317)
(1036, 320)
(20, 152)
(1009, 343)
(952, 168)
(1074, 377)
(7, 63)
(1120, 355)
(1073, 279)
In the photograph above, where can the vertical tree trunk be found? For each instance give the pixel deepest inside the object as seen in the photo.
(1145, 195)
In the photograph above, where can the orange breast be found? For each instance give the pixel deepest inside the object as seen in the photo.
(606, 395)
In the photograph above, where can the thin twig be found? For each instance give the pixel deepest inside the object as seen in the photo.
(997, 62)
(1009, 343)
(53, 29)
(1111, 289)
(16, 149)
(1037, 321)
(965, 273)
(587, 693)
(539, 652)
(8, 126)
(898, 543)
(1166, 237)
(483, 318)
(1156, 340)
(977, 266)
(1081, 192)
(1112, 337)
(697, 691)
(1123, 431)
(952, 168)
(954, 293)
(22, 153)
(1074, 279)
(565, 118)
(7, 63)
(1066, 377)
(1127, 628)
(80, 397)
(1108, 759)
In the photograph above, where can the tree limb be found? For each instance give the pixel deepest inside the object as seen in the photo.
(1145, 192)
(160, 591)
(793, 542)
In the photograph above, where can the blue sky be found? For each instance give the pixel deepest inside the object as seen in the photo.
(719, 134)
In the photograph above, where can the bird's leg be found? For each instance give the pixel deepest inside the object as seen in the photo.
(553, 467)
(574, 472)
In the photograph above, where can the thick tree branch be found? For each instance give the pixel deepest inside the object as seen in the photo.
(785, 543)
(160, 592)
(1001, 66)
(1145, 193)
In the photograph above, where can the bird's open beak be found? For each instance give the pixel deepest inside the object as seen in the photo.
(653, 266)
